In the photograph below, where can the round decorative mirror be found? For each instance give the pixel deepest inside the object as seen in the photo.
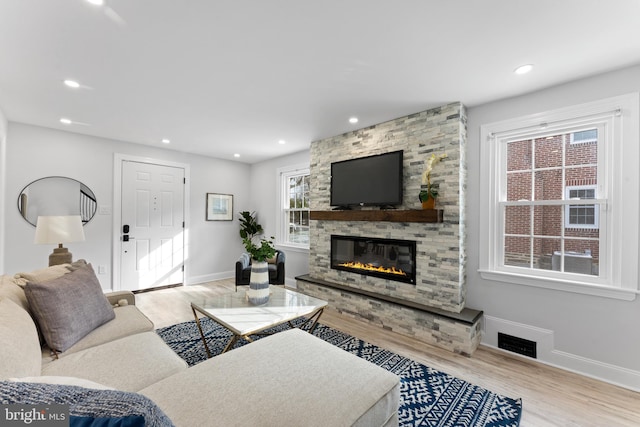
(56, 195)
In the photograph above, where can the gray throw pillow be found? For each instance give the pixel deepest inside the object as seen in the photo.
(69, 307)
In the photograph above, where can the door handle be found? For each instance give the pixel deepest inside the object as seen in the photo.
(125, 235)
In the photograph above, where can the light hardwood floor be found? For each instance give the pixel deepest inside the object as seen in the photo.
(550, 396)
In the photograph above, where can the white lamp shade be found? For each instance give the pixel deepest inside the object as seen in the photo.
(59, 229)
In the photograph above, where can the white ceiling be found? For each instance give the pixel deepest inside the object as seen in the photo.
(224, 77)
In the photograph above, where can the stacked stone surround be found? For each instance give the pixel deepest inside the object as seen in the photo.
(462, 337)
(441, 255)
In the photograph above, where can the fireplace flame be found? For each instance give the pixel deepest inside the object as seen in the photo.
(371, 267)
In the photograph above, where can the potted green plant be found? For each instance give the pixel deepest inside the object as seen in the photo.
(428, 195)
(249, 229)
(258, 292)
(429, 192)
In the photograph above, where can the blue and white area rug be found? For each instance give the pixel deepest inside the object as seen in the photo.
(428, 397)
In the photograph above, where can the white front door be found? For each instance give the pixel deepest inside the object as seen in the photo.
(152, 226)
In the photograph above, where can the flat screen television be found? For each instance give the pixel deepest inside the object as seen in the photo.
(367, 181)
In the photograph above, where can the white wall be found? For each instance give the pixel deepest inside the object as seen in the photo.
(592, 335)
(265, 185)
(3, 177)
(35, 152)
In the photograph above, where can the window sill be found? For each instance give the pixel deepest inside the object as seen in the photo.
(292, 248)
(559, 285)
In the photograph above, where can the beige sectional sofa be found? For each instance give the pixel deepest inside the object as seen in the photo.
(291, 378)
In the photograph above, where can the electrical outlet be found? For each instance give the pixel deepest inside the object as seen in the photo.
(104, 210)
(102, 269)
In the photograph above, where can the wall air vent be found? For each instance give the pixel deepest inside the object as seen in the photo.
(517, 345)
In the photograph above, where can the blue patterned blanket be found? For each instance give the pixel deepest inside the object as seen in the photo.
(86, 404)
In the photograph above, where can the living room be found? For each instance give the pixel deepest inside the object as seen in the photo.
(595, 336)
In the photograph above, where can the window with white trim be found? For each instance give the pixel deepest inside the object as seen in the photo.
(561, 214)
(293, 229)
(581, 216)
(584, 136)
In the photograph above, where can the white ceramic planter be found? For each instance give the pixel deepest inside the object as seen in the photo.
(258, 292)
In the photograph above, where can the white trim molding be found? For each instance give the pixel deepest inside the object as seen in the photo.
(282, 222)
(548, 355)
(196, 280)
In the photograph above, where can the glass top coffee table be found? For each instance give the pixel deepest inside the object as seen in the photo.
(234, 312)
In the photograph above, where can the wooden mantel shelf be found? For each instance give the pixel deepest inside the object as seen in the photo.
(410, 215)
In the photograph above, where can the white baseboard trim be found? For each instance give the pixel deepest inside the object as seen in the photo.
(290, 282)
(548, 355)
(194, 280)
(613, 374)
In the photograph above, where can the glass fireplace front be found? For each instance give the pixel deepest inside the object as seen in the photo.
(386, 258)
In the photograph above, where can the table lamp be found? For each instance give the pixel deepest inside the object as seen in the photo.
(59, 229)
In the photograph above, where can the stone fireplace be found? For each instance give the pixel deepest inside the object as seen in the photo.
(430, 305)
(390, 259)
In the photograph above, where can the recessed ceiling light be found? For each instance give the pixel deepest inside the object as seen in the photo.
(236, 155)
(72, 83)
(523, 69)
(96, 2)
(65, 121)
(353, 120)
(165, 141)
(282, 142)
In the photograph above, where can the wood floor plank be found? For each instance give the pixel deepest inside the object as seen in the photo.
(551, 397)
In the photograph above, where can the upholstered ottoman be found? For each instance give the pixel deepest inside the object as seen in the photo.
(290, 378)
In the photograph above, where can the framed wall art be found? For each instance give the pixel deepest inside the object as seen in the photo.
(219, 207)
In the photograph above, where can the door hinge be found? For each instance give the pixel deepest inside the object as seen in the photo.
(183, 268)
(182, 224)
(184, 180)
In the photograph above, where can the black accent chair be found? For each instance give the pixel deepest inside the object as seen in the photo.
(276, 270)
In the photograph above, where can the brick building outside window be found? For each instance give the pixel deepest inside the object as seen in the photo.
(552, 168)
